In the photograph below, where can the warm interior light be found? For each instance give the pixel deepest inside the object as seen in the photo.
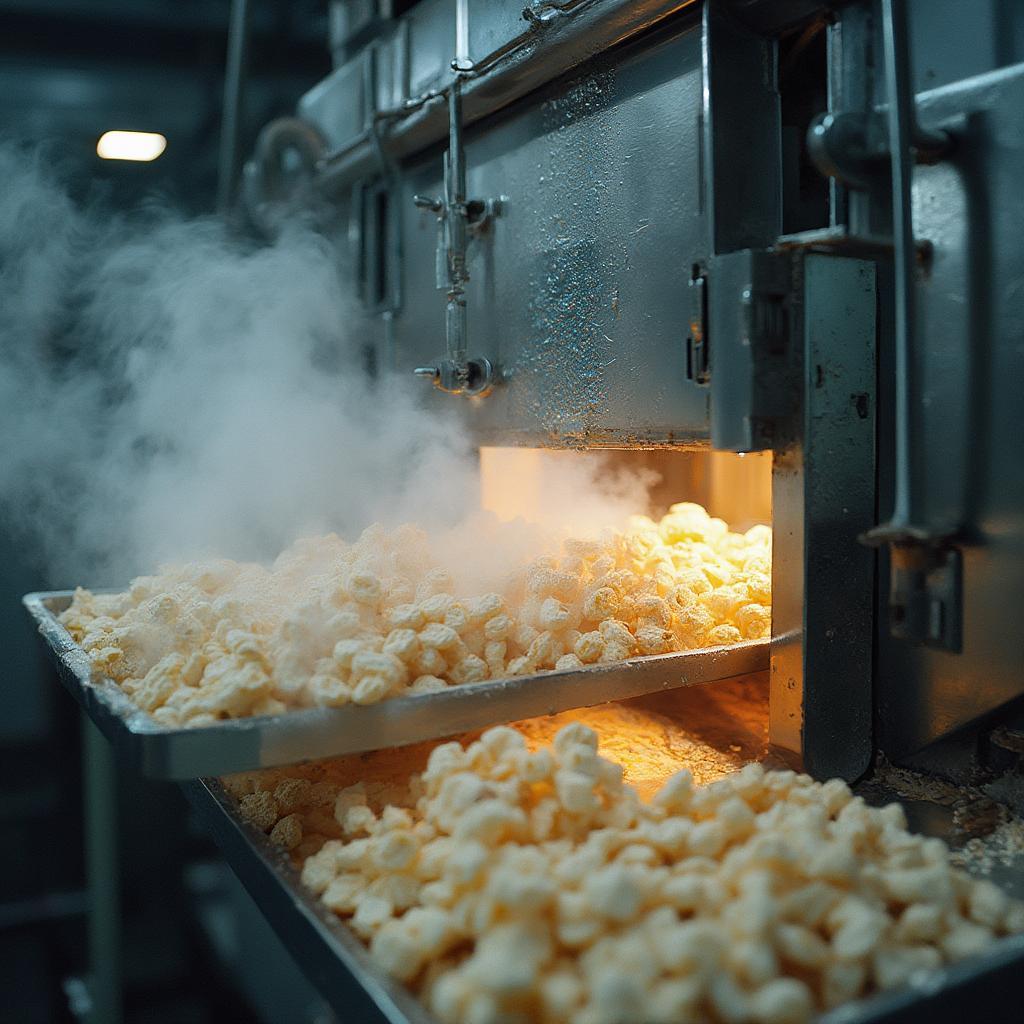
(525, 482)
(512, 480)
(138, 146)
(740, 487)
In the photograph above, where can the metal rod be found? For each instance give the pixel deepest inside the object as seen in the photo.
(101, 869)
(909, 496)
(908, 520)
(234, 102)
(455, 183)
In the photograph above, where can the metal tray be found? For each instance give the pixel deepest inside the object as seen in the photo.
(338, 964)
(322, 945)
(263, 742)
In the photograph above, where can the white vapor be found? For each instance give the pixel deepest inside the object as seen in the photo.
(167, 391)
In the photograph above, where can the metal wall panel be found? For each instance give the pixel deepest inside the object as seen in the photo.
(338, 104)
(347, 18)
(432, 43)
(952, 40)
(579, 291)
(492, 25)
(390, 66)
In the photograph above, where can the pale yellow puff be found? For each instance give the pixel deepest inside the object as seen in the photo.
(430, 661)
(371, 689)
(737, 899)
(327, 691)
(470, 669)
(497, 627)
(426, 684)
(495, 653)
(589, 647)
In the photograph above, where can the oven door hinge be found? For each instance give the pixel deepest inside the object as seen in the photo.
(698, 363)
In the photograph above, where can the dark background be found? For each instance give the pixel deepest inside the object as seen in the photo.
(193, 949)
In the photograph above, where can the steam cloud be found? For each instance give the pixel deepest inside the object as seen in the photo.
(169, 392)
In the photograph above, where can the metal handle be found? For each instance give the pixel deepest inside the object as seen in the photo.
(907, 521)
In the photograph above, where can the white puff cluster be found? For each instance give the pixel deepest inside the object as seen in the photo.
(331, 623)
(535, 886)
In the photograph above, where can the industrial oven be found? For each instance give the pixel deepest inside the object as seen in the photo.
(735, 227)
(781, 229)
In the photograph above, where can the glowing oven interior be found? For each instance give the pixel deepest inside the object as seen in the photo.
(711, 729)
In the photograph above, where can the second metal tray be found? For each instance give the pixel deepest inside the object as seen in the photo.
(245, 743)
(339, 965)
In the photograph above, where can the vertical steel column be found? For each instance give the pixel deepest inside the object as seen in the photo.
(908, 507)
(101, 869)
(234, 102)
(793, 370)
(823, 492)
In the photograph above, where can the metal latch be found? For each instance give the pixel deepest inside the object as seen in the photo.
(697, 363)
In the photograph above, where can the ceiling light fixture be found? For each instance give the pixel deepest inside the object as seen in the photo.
(138, 146)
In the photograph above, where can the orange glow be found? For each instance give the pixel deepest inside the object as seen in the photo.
(740, 488)
(709, 730)
(520, 482)
(512, 479)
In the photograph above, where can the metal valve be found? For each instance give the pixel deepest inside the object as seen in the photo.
(473, 378)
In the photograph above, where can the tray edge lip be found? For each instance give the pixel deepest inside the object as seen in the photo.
(147, 745)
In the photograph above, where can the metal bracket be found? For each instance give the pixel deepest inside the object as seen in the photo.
(473, 378)
(925, 595)
(482, 213)
(854, 147)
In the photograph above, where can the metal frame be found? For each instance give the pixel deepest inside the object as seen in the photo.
(823, 494)
(235, 80)
(324, 948)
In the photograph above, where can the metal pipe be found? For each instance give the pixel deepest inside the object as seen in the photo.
(549, 48)
(234, 101)
(455, 223)
(455, 373)
(924, 581)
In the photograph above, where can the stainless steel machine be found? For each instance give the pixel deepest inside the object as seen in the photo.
(778, 226)
(756, 225)
(783, 226)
